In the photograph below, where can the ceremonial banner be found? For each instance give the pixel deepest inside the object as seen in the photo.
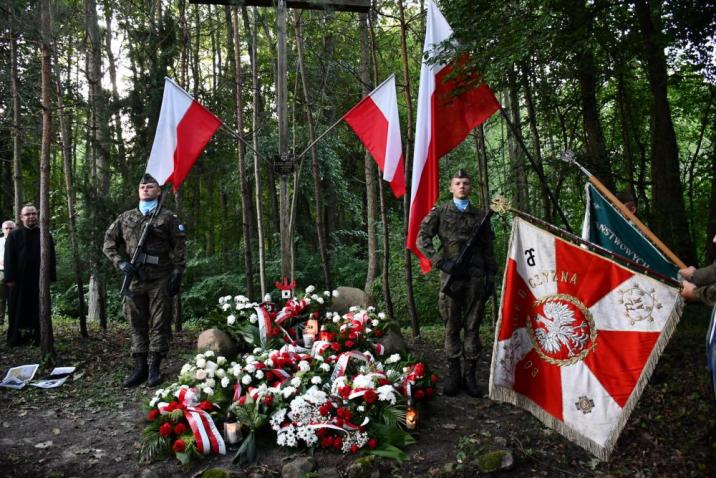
(578, 336)
(605, 226)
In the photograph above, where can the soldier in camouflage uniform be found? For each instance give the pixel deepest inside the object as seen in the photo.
(155, 278)
(454, 222)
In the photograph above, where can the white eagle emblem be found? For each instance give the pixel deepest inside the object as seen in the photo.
(560, 330)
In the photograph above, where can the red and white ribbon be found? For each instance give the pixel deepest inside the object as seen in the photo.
(342, 363)
(264, 324)
(207, 436)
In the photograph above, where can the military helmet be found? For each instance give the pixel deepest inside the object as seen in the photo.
(461, 173)
(148, 178)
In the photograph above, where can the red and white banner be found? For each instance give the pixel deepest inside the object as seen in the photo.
(376, 122)
(578, 336)
(448, 109)
(183, 129)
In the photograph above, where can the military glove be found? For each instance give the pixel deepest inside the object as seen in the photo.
(127, 268)
(446, 265)
(174, 283)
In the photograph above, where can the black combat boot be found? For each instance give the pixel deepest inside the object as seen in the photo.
(469, 383)
(452, 384)
(155, 375)
(139, 374)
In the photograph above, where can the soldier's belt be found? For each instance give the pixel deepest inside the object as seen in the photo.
(147, 259)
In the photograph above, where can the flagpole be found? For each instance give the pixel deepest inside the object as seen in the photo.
(500, 206)
(539, 172)
(340, 119)
(569, 157)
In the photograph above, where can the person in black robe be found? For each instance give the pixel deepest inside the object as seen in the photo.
(22, 278)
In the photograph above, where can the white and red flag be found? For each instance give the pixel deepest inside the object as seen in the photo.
(183, 129)
(376, 122)
(448, 109)
(578, 336)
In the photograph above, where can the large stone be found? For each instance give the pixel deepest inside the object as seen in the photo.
(348, 296)
(496, 460)
(298, 467)
(217, 341)
(394, 343)
(362, 467)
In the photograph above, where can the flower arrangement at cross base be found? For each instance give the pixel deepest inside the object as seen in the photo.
(335, 391)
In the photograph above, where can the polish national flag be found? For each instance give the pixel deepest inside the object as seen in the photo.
(448, 109)
(183, 130)
(375, 120)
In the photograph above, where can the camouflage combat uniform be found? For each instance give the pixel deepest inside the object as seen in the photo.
(454, 229)
(149, 310)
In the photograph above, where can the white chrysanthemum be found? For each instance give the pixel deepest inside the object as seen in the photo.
(220, 360)
(395, 358)
(315, 396)
(259, 374)
(296, 382)
(210, 382)
(386, 393)
(320, 301)
(236, 370)
(208, 390)
(316, 380)
(363, 381)
(201, 362)
(225, 307)
(310, 289)
(250, 368)
(288, 391)
(371, 308)
(185, 368)
(381, 315)
(246, 379)
(354, 308)
(325, 367)
(334, 293)
(220, 373)
(231, 320)
(253, 318)
(375, 323)
(225, 382)
(336, 318)
(303, 366)
(153, 401)
(209, 353)
(222, 300)
(200, 374)
(327, 293)
(277, 419)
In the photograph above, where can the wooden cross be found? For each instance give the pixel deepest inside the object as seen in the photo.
(282, 95)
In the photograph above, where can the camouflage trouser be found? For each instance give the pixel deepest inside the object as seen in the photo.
(464, 313)
(149, 313)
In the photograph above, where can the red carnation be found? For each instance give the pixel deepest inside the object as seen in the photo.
(206, 405)
(337, 443)
(354, 448)
(327, 442)
(378, 333)
(384, 381)
(178, 446)
(429, 392)
(372, 443)
(420, 369)
(152, 415)
(350, 344)
(336, 346)
(353, 335)
(324, 410)
(242, 400)
(370, 396)
(419, 395)
(165, 430)
(321, 432)
(260, 365)
(172, 406)
(434, 378)
(345, 391)
(344, 413)
(268, 400)
(179, 429)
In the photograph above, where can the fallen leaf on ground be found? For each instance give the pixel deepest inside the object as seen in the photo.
(44, 444)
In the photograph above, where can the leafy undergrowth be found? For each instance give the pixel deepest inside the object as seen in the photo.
(91, 426)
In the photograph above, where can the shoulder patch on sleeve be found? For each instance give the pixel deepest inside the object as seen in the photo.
(181, 227)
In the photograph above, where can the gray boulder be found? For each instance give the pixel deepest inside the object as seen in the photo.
(298, 467)
(348, 296)
(394, 343)
(217, 341)
(496, 460)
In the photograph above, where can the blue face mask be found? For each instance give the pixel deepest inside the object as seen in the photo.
(461, 204)
(147, 206)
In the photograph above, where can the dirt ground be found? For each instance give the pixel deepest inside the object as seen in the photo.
(91, 426)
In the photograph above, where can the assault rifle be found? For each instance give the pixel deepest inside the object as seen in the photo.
(460, 269)
(139, 257)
